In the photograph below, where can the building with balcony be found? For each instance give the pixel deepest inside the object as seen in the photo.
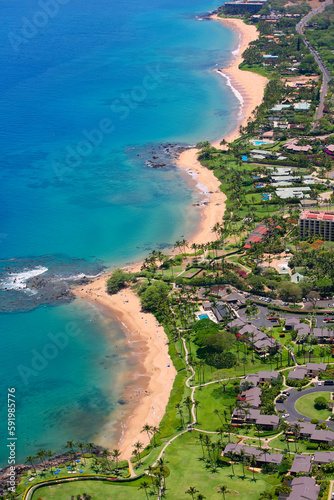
(317, 222)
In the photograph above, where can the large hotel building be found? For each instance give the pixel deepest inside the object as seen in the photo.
(317, 222)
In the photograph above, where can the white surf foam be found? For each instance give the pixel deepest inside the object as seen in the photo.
(234, 90)
(18, 281)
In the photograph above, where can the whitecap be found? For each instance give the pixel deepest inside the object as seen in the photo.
(18, 281)
(234, 90)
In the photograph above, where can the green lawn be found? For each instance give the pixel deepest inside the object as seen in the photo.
(305, 405)
(184, 459)
(98, 490)
(213, 398)
(282, 445)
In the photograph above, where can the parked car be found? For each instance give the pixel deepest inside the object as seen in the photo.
(285, 415)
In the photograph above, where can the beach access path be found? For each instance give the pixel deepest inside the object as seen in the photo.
(125, 306)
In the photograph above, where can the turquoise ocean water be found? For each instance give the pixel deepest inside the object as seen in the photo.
(90, 91)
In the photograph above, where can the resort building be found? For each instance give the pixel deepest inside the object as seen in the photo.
(261, 457)
(323, 457)
(298, 374)
(304, 488)
(242, 6)
(311, 370)
(323, 335)
(301, 463)
(293, 192)
(256, 236)
(317, 222)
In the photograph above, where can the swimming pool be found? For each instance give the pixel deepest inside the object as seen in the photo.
(259, 185)
(203, 316)
(257, 143)
(265, 196)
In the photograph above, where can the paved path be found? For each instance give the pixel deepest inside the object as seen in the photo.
(289, 404)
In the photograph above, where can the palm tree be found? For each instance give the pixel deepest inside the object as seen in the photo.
(191, 491)
(242, 456)
(296, 431)
(81, 447)
(50, 454)
(200, 496)
(188, 403)
(222, 489)
(196, 405)
(216, 412)
(184, 244)
(116, 454)
(30, 460)
(138, 446)
(70, 445)
(148, 429)
(201, 439)
(144, 486)
(155, 430)
(285, 427)
(253, 463)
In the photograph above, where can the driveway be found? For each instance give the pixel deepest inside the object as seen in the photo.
(289, 405)
(261, 319)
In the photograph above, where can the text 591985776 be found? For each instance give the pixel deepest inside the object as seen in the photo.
(11, 445)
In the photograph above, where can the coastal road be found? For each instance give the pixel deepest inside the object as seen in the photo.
(289, 405)
(326, 76)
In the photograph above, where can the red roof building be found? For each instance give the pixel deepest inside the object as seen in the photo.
(317, 222)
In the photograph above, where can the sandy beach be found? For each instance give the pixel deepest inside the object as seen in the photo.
(249, 85)
(156, 370)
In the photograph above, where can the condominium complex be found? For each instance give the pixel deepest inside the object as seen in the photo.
(317, 222)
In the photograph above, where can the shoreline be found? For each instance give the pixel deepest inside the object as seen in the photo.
(156, 376)
(250, 89)
(152, 380)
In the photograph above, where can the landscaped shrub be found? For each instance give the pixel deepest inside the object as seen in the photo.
(282, 488)
(311, 446)
(297, 383)
(314, 421)
(320, 403)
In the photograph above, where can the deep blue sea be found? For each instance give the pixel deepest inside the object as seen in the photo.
(90, 93)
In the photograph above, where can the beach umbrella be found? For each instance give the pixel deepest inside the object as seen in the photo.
(81, 471)
(68, 467)
(77, 461)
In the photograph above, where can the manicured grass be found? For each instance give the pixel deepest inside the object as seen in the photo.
(184, 459)
(305, 405)
(96, 489)
(213, 398)
(282, 445)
